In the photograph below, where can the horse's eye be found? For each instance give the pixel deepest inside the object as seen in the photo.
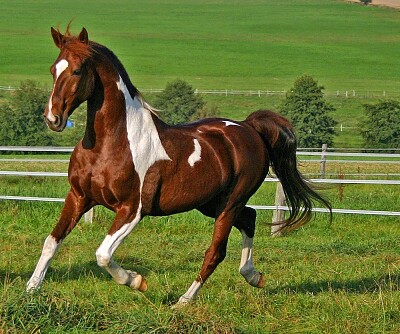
(77, 72)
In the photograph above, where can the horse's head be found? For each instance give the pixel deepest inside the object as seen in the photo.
(73, 75)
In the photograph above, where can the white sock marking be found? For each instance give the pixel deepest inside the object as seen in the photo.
(49, 249)
(190, 294)
(196, 155)
(61, 66)
(109, 245)
(246, 268)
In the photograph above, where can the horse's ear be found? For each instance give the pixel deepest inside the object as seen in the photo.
(57, 37)
(83, 36)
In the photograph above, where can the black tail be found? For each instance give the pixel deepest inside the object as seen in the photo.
(277, 133)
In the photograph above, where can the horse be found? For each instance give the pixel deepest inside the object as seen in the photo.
(136, 165)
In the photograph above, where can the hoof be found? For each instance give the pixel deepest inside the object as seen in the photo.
(143, 285)
(137, 281)
(261, 282)
(182, 303)
(32, 285)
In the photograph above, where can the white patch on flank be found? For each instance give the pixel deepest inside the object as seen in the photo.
(61, 66)
(196, 155)
(144, 141)
(228, 123)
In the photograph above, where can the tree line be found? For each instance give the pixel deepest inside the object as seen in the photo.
(304, 104)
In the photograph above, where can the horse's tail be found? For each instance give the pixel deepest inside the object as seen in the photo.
(278, 136)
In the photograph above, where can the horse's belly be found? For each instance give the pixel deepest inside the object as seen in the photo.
(183, 190)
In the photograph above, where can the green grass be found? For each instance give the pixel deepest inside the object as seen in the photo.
(340, 277)
(214, 44)
(220, 45)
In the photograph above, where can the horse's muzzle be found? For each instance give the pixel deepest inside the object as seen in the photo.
(57, 124)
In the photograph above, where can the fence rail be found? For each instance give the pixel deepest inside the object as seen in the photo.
(349, 93)
(279, 205)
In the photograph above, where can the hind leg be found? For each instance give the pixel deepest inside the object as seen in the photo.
(245, 223)
(214, 255)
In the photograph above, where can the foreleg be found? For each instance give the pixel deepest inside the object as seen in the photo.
(122, 226)
(74, 208)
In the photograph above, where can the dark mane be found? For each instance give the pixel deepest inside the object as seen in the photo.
(100, 50)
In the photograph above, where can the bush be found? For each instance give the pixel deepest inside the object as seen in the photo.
(381, 129)
(21, 117)
(178, 102)
(306, 107)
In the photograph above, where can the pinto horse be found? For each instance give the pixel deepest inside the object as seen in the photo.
(133, 163)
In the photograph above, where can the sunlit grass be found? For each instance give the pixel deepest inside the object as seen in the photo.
(339, 277)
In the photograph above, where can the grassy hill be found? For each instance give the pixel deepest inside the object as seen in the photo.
(214, 44)
(243, 44)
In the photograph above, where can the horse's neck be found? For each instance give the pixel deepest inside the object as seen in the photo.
(113, 116)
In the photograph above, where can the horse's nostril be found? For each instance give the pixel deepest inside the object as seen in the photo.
(57, 121)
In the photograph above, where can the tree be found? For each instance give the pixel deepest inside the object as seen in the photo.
(306, 107)
(178, 102)
(381, 128)
(21, 118)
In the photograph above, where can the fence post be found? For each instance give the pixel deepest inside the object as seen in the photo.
(278, 215)
(323, 160)
(89, 216)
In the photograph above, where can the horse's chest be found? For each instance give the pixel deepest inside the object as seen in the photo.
(108, 182)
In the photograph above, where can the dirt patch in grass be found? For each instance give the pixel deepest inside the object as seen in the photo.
(386, 3)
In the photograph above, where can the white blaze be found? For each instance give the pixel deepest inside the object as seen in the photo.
(61, 66)
(196, 155)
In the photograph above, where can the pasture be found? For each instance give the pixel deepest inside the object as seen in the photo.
(339, 277)
(214, 44)
(222, 45)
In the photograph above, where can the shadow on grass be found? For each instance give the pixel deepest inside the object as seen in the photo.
(363, 285)
(74, 272)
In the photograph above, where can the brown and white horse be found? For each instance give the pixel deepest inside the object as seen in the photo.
(133, 163)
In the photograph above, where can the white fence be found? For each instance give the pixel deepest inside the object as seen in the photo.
(279, 205)
(349, 93)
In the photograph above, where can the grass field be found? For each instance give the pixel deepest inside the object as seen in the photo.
(340, 277)
(212, 44)
(220, 45)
